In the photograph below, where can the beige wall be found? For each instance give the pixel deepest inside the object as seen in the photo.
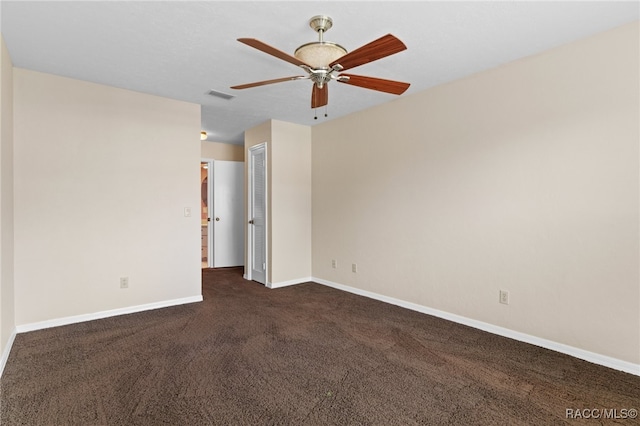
(102, 177)
(221, 151)
(288, 199)
(522, 178)
(290, 183)
(7, 315)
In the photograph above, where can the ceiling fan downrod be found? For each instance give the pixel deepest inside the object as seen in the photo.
(321, 24)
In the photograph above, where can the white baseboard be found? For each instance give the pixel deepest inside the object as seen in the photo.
(7, 351)
(105, 314)
(290, 282)
(593, 357)
(616, 364)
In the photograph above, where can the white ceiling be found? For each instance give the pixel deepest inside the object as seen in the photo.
(183, 49)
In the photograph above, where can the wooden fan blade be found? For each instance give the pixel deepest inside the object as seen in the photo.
(377, 49)
(319, 97)
(257, 44)
(379, 84)
(262, 83)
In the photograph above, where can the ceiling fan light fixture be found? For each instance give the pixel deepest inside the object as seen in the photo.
(323, 61)
(319, 54)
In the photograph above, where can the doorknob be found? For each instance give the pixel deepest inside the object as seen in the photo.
(251, 222)
(217, 219)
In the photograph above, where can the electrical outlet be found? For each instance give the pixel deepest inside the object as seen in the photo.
(334, 264)
(504, 297)
(354, 267)
(124, 282)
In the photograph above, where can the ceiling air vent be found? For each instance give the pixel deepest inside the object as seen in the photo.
(220, 94)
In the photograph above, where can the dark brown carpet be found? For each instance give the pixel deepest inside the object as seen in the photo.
(306, 354)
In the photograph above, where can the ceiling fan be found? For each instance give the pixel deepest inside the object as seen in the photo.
(324, 61)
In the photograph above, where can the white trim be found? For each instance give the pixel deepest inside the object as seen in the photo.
(7, 351)
(104, 314)
(290, 282)
(607, 361)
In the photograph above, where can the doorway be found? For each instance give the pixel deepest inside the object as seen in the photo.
(222, 213)
(205, 220)
(257, 232)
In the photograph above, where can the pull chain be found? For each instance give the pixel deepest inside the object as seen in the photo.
(315, 112)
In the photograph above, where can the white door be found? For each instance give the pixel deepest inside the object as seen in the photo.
(228, 213)
(257, 214)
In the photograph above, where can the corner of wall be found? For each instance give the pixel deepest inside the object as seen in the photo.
(4, 354)
(7, 305)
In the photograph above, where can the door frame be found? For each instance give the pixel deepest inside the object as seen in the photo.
(249, 244)
(210, 194)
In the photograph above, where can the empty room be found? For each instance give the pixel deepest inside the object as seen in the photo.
(301, 212)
